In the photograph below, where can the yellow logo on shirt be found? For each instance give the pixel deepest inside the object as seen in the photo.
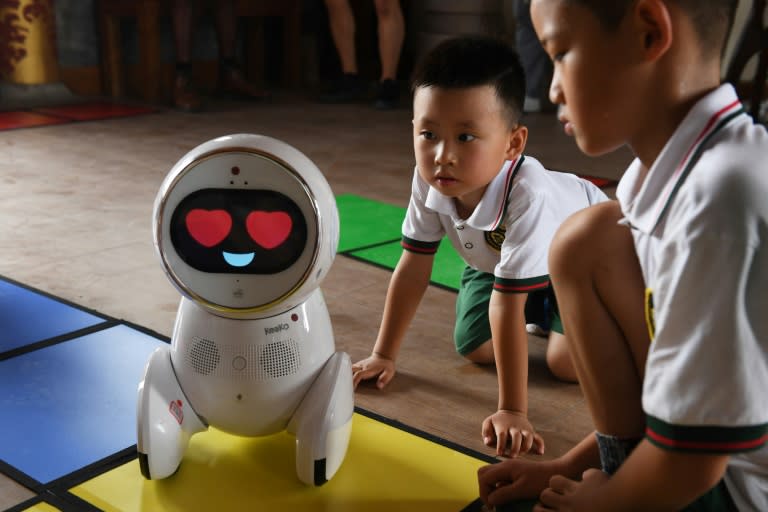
(650, 313)
(495, 238)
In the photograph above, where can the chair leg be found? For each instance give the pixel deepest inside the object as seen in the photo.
(111, 56)
(292, 46)
(254, 48)
(148, 28)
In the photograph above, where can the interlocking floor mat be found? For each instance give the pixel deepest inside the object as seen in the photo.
(68, 404)
(386, 468)
(44, 116)
(371, 232)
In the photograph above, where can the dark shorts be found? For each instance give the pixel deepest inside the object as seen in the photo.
(473, 327)
(614, 451)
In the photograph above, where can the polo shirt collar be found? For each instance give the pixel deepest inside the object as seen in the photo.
(490, 211)
(645, 204)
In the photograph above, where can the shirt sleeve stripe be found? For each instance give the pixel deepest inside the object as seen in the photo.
(409, 244)
(705, 439)
(520, 285)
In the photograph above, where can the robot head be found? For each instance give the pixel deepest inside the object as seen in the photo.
(246, 226)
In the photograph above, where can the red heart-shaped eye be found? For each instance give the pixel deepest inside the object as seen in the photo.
(208, 227)
(269, 229)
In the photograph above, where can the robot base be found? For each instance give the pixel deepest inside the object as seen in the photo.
(322, 423)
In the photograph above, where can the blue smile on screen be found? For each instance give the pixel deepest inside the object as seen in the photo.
(238, 260)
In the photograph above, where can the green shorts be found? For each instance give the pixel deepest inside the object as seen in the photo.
(473, 327)
(717, 499)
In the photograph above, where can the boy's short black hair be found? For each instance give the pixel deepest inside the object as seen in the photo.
(472, 61)
(711, 19)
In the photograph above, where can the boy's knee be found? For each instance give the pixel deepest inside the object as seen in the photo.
(577, 239)
(561, 366)
(482, 354)
(559, 361)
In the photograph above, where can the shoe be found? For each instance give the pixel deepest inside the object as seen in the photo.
(536, 330)
(348, 89)
(387, 93)
(233, 83)
(184, 95)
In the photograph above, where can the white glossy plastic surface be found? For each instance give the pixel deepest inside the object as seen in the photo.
(252, 351)
(165, 419)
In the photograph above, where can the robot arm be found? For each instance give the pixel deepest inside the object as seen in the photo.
(165, 418)
(322, 423)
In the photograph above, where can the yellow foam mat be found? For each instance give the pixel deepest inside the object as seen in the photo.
(385, 469)
(41, 507)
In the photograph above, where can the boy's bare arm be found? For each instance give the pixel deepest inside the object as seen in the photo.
(509, 428)
(652, 478)
(406, 288)
(510, 348)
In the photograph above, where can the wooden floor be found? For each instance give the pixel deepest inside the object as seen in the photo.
(75, 210)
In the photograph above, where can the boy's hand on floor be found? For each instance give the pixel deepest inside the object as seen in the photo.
(371, 367)
(512, 434)
(513, 479)
(566, 494)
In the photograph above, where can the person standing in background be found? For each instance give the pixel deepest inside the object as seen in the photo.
(391, 33)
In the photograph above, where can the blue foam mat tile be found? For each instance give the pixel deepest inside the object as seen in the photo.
(28, 317)
(71, 404)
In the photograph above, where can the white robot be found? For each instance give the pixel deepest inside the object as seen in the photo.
(246, 228)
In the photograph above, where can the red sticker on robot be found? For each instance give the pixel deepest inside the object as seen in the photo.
(208, 227)
(269, 229)
(176, 410)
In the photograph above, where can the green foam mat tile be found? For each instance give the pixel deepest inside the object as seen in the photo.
(365, 222)
(446, 271)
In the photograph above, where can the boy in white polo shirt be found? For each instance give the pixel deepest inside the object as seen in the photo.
(677, 394)
(499, 209)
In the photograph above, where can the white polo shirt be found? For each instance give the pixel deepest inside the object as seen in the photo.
(700, 225)
(510, 231)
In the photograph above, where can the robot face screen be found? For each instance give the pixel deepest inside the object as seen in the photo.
(238, 231)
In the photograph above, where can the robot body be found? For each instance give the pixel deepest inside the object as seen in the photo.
(246, 228)
(269, 367)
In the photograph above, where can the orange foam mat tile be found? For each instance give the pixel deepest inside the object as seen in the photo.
(12, 120)
(386, 469)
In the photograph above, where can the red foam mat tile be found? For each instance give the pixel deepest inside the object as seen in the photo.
(12, 120)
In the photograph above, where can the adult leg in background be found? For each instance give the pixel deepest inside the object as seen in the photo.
(185, 97)
(231, 77)
(391, 28)
(341, 19)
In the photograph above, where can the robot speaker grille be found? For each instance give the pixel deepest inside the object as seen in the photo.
(203, 356)
(280, 358)
(249, 361)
